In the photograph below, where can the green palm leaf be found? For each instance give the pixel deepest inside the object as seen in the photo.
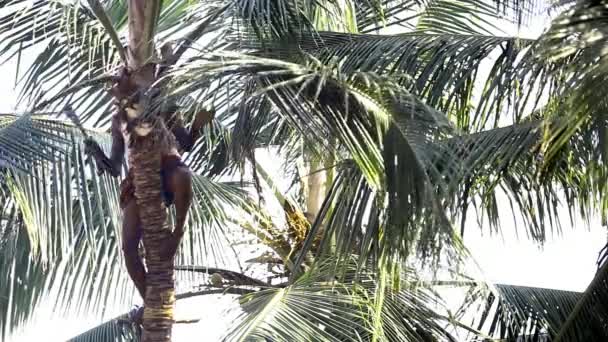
(322, 308)
(55, 236)
(587, 319)
(537, 314)
(448, 71)
(118, 329)
(351, 110)
(67, 249)
(577, 39)
(26, 139)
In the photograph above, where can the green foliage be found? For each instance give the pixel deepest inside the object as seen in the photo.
(419, 126)
(345, 308)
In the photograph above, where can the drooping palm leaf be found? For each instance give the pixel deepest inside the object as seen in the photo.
(322, 308)
(56, 236)
(515, 153)
(448, 71)
(209, 238)
(588, 319)
(536, 314)
(118, 329)
(350, 109)
(274, 18)
(376, 15)
(67, 248)
(72, 46)
(77, 49)
(459, 17)
(512, 161)
(27, 139)
(578, 38)
(97, 8)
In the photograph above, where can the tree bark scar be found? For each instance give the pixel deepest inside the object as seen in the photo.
(144, 158)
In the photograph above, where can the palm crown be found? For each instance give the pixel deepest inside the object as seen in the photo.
(404, 131)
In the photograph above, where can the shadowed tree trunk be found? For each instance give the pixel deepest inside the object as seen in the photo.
(144, 160)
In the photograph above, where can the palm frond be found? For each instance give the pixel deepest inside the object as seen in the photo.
(17, 24)
(588, 319)
(27, 139)
(272, 19)
(577, 39)
(322, 308)
(459, 17)
(482, 167)
(536, 314)
(71, 46)
(319, 101)
(203, 23)
(376, 15)
(54, 236)
(75, 47)
(67, 248)
(447, 71)
(210, 237)
(100, 13)
(509, 161)
(118, 329)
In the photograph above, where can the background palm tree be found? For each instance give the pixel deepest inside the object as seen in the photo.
(389, 140)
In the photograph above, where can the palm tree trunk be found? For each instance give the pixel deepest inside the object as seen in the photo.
(318, 180)
(144, 161)
(316, 188)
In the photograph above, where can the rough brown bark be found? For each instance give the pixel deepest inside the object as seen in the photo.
(144, 159)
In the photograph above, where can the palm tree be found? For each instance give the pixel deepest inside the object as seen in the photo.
(389, 138)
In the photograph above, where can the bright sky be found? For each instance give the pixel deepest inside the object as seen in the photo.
(566, 261)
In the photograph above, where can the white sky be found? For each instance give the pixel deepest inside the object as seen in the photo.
(565, 262)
